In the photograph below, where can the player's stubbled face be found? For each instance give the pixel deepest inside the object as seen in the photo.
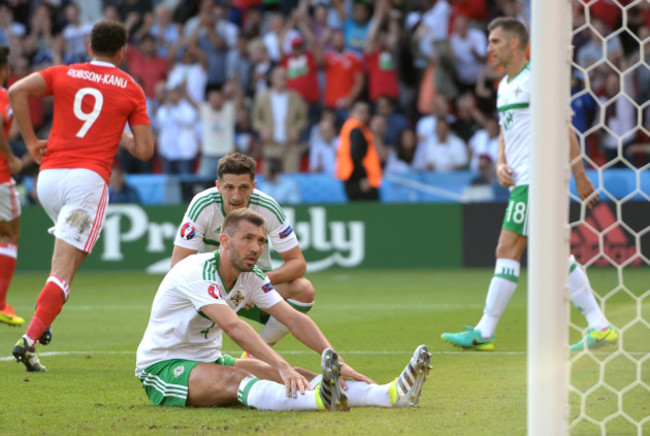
(498, 48)
(246, 245)
(236, 190)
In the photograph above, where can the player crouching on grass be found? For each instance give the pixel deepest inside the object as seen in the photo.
(180, 363)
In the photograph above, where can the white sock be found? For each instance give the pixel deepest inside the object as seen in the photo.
(274, 330)
(502, 286)
(269, 395)
(583, 296)
(364, 394)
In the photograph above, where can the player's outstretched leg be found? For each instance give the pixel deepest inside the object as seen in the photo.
(27, 355)
(470, 339)
(406, 389)
(330, 392)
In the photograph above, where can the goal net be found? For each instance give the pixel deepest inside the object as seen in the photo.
(609, 388)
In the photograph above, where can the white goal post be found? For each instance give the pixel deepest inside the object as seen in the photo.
(548, 316)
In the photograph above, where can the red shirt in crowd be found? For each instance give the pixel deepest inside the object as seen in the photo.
(148, 71)
(340, 71)
(382, 76)
(93, 101)
(302, 75)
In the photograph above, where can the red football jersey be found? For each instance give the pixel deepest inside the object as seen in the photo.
(8, 116)
(92, 103)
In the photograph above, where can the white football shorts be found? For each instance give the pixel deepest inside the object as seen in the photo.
(9, 202)
(75, 199)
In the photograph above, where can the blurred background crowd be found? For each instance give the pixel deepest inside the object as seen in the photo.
(276, 79)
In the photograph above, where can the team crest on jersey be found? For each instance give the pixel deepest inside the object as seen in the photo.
(214, 292)
(188, 231)
(286, 232)
(179, 370)
(237, 298)
(267, 288)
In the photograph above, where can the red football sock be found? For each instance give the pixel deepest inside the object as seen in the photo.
(8, 257)
(48, 306)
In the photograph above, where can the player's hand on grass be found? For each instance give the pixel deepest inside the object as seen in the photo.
(347, 372)
(586, 191)
(294, 382)
(504, 175)
(37, 149)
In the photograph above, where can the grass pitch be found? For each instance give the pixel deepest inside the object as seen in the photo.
(375, 319)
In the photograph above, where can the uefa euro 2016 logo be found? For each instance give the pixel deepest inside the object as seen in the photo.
(187, 231)
(214, 292)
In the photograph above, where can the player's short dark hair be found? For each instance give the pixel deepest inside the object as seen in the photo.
(236, 163)
(108, 37)
(512, 26)
(4, 56)
(232, 220)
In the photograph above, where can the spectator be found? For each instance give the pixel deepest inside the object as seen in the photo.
(279, 115)
(378, 128)
(283, 189)
(395, 121)
(445, 151)
(469, 119)
(164, 30)
(178, 144)
(215, 37)
(426, 126)
(119, 190)
(40, 30)
(620, 117)
(484, 144)
(402, 158)
(246, 139)
(189, 72)
(322, 147)
(301, 67)
(218, 127)
(8, 26)
(278, 37)
(379, 50)
(344, 76)
(592, 52)
(239, 62)
(357, 160)
(302, 75)
(469, 49)
(355, 28)
(262, 66)
(145, 65)
(135, 14)
(76, 35)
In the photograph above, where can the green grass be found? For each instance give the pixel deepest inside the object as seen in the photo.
(374, 318)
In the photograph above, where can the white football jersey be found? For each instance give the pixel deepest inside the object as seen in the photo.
(201, 226)
(178, 329)
(513, 105)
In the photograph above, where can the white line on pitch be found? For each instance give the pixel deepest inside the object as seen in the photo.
(298, 352)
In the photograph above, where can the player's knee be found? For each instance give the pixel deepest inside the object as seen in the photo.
(302, 290)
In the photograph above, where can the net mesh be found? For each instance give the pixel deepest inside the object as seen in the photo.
(609, 390)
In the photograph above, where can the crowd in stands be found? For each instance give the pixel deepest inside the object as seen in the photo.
(275, 79)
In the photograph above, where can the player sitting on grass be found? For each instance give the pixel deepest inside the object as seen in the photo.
(201, 227)
(507, 47)
(180, 363)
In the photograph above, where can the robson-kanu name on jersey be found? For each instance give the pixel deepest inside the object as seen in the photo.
(107, 79)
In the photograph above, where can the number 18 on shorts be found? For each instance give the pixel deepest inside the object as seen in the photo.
(516, 219)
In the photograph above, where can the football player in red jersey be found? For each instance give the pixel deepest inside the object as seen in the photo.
(93, 101)
(9, 203)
